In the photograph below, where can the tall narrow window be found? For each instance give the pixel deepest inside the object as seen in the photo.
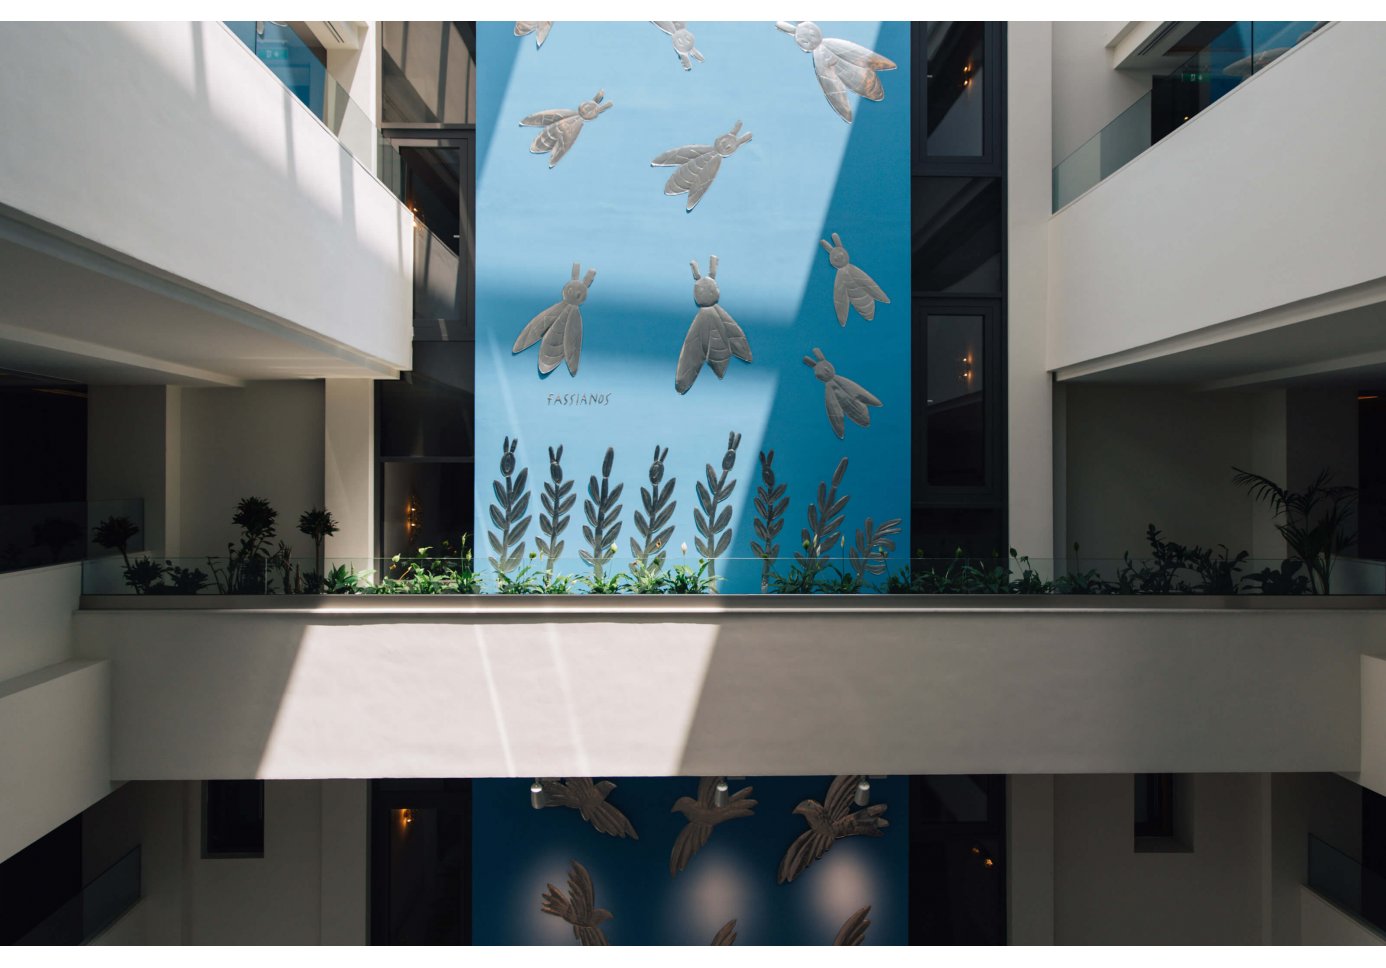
(955, 89)
(233, 818)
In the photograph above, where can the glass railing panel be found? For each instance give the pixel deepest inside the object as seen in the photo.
(1235, 54)
(99, 905)
(1344, 881)
(36, 535)
(843, 569)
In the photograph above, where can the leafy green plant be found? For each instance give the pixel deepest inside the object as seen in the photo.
(1284, 580)
(143, 575)
(1029, 582)
(342, 580)
(421, 573)
(684, 580)
(1080, 582)
(1314, 522)
(248, 565)
(185, 581)
(1171, 567)
(605, 584)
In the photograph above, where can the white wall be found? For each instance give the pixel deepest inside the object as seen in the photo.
(1088, 93)
(54, 748)
(1152, 252)
(1029, 430)
(207, 169)
(1161, 455)
(349, 466)
(1373, 770)
(37, 605)
(310, 887)
(261, 440)
(637, 688)
(1107, 893)
(132, 452)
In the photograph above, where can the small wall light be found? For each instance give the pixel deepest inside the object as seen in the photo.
(406, 816)
(411, 518)
(719, 793)
(536, 794)
(863, 795)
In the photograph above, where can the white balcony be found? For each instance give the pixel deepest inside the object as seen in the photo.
(170, 212)
(659, 686)
(1246, 246)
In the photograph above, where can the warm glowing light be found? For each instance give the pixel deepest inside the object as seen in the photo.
(1367, 396)
(976, 850)
(407, 815)
(988, 863)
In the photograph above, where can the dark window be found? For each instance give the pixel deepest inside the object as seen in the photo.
(939, 532)
(955, 88)
(1154, 804)
(957, 232)
(957, 834)
(955, 401)
(421, 877)
(233, 818)
(427, 72)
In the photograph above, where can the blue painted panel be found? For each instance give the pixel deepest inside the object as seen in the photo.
(517, 851)
(805, 174)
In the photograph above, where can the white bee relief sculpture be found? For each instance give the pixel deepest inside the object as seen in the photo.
(842, 396)
(714, 337)
(559, 326)
(539, 28)
(683, 41)
(562, 126)
(841, 65)
(852, 287)
(698, 164)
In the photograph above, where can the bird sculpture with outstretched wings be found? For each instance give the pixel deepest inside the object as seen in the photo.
(703, 814)
(562, 126)
(840, 65)
(589, 799)
(576, 907)
(829, 821)
(726, 934)
(853, 930)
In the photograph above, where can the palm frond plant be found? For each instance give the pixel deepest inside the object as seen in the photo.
(769, 521)
(247, 566)
(508, 514)
(603, 525)
(318, 524)
(1314, 522)
(712, 517)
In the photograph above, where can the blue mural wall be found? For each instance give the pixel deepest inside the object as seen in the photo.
(804, 175)
(518, 851)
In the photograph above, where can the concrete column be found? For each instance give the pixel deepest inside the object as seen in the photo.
(1029, 431)
(1030, 858)
(349, 468)
(344, 852)
(1268, 458)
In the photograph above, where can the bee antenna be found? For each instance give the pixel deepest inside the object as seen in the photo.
(587, 279)
(696, 275)
(600, 94)
(735, 128)
(837, 240)
(826, 247)
(786, 26)
(808, 362)
(577, 269)
(712, 266)
(819, 353)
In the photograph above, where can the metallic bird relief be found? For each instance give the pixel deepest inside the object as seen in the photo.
(852, 287)
(713, 338)
(589, 799)
(841, 66)
(853, 930)
(577, 907)
(726, 934)
(562, 126)
(842, 396)
(559, 326)
(539, 28)
(698, 164)
(830, 821)
(683, 41)
(703, 814)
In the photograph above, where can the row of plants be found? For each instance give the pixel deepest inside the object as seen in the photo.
(1314, 524)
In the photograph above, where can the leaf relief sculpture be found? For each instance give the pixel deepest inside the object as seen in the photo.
(508, 513)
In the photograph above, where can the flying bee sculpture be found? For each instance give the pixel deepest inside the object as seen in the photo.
(539, 28)
(683, 41)
(842, 396)
(841, 66)
(562, 127)
(852, 287)
(698, 164)
(714, 337)
(559, 326)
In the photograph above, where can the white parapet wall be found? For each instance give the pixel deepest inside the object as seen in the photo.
(1273, 196)
(486, 687)
(171, 146)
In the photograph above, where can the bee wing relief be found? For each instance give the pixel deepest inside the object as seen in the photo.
(735, 336)
(542, 119)
(695, 177)
(830, 400)
(536, 328)
(566, 328)
(557, 138)
(695, 351)
(825, 65)
(862, 291)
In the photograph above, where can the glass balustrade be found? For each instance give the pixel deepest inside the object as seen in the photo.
(99, 905)
(1345, 882)
(1226, 60)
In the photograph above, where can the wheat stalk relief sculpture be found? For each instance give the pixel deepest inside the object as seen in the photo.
(508, 513)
